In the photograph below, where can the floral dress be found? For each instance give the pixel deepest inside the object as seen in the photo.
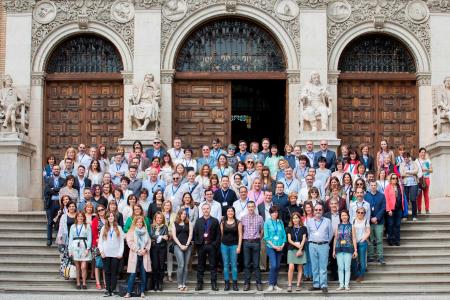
(80, 240)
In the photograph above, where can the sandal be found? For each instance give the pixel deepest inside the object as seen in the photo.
(299, 288)
(289, 288)
(142, 295)
(127, 295)
(98, 286)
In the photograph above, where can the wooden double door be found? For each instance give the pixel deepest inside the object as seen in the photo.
(372, 110)
(77, 111)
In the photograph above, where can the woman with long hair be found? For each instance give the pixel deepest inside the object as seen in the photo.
(139, 242)
(156, 205)
(111, 245)
(339, 173)
(167, 169)
(188, 204)
(314, 196)
(102, 156)
(169, 220)
(215, 186)
(65, 223)
(107, 191)
(137, 211)
(361, 226)
(128, 210)
(222, 168)
(351, 165)
(272, 160)
(97, 223)
(347, 187)
(240, 169)
(382, 181)
(268, 184)
(80, 241)
(425, 169)
(309, 214)
(89, 212)
(383, 152)
(63, 207)
(182, 171)
(119, 199)
(94, 172)
(296, 237)
(48, 169)
(394, 208)
(182, 237)
(159, 236)
(113, 208)
(230, 247)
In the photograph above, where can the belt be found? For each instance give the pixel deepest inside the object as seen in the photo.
(252, 240)
(319, 243)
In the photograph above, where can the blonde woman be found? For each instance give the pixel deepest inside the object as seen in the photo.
(111, 246)
(71, 153)
(159, 235)
(139, 242)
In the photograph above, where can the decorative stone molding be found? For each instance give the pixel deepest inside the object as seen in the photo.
(312, 3)
(381, 11)
(333, 78)
(38, 78)
(267, 6)
(147, 4)
(167, 76)
(286, 10)
(230, 6)
(439, 5)
(174, 10)
(293, 76)
(127, 78)
(339, 11)
(44, 12)
(122, 11)
(417, 11)
(84, 12)
(423, 79)
(19, 5)
(441, 108)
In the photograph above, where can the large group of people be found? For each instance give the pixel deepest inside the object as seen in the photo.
(136, 212)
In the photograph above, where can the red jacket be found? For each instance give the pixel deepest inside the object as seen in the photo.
(95, 232)
(389, 193)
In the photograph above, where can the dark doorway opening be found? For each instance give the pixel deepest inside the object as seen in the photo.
(258, 111)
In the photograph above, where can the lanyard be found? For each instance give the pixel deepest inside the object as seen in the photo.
(275, 227)
(296, 232)
(222, 172)
(224, 195)
(79, 231)
(310, 155)
(187, 164)
(174, 192)
(156, 153)
(269, 207)
(351, 167)
(348, 189)
(215, 154)
(56, 182)
(111, 231)
(257, 198)
(315, 223)
(118, 167)
(289, 184)
(176, 154)
(153, 186)
(250, 174)
(167, 216)
(206, 226)
(243, 207)
(302, 173)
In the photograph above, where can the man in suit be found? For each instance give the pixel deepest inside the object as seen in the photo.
(51, 197)
(263, 210)
(156, 150)
(81, 182)
(206, 239)
(329, 155)
(225, 196)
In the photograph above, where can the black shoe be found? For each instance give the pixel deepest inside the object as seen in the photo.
(259, 287)
(214, 286)
(371, 259)
(381, 261)
(160, 286)
(325, 290)
(311, 289)
(84, 287)
(107, 294)
(78, 287)
(235, 286)
(227, 285)
(155, 286)
(246, 287)
(49, 243)
(397, 243)
(199, 287)
(390, 243)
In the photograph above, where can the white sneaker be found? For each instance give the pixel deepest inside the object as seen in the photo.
(270, 288)
(414, 219)
(277, 288)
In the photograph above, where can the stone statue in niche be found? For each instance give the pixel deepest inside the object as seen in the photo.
(12, 105)
(145, 103)
(315, 105)
(441, 107)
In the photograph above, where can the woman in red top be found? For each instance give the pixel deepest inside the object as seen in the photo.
(351, 166)
(394, 208)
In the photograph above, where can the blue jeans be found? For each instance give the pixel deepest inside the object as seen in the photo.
(229, 257)
(344, 261)
(411, 196)
(251, 257)
(319, 264)
(274, 261)
(393, 226)
(183, 258)
(132, 278)
(307, 272)
(362, 259)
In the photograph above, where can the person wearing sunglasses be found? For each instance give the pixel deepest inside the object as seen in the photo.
(394, 208)
(361, 226)
(359, 203)
(173, 193)
(320, 233)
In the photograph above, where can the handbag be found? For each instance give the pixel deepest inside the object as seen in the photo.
(70, 271)
(98, 262)
(172, 248)
(422, 183)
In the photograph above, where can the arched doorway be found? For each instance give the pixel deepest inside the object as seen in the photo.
(83, 95)
(230, 83)
(377, 93)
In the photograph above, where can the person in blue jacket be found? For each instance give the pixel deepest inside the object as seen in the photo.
(377, 203)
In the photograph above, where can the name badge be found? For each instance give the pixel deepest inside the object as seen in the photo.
(275, 238)
(373, 208)
(343, 242)
(316, 234)
(205, 235)
(224, 203)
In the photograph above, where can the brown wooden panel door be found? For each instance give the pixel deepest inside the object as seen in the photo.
(89, 112)
(202, 111)
(369, 111)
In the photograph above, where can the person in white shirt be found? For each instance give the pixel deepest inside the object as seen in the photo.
(303, 195)
(360, 202)
(111, 246)
(317, 183)
(153, 183)
(82, 157)
(240, 205)
(290, 183)
(193, 187)
(173, 192)
(216, 208)
(118, 169)
(177, 153)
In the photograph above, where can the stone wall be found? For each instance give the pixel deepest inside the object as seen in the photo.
(2, 36)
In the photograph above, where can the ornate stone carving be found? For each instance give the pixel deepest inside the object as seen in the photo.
(423, 79)
(441, 107)
(380, 11)
(174, 10)
(127, 77)
(293, 76)
(315, 105)
(267, 6)
(167, 76)
(312, 3)
(44, 12)
(83, 12)
(145, 103)
(19, 5)
(122, 11)
(146, 4)
(230, 6)
(13, 107)
(333, 78)
(286, 10)
(38, 78)
(339, 11)
(417, 11)
(439, 5)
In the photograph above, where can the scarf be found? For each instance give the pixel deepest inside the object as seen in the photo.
(141, 237)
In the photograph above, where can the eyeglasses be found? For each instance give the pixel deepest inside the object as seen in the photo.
(318, 209)
(361, 213)
(394, 178)
(176, 178)
(323, 144)
(156, 142)
(204, 150)
(360, 183)
(250, 162)
(101, 209)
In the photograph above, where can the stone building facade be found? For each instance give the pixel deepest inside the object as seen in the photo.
(350, 71)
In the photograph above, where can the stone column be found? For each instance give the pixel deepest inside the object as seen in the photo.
(425, 109)
(439, 152)
(293, 91)
(333, 89)
(166, 106)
